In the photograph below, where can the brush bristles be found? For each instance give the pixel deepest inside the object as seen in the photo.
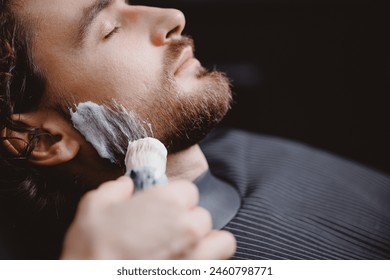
(146, 152)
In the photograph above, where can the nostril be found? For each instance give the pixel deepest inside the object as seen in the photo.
(174, 31)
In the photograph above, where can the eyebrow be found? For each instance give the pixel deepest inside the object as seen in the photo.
(89, 15)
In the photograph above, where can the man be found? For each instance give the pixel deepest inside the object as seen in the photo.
(89, 22)
(62, 53)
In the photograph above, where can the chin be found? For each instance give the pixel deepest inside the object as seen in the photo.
(182, 117)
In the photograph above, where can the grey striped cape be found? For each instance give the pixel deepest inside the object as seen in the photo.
(299, 202)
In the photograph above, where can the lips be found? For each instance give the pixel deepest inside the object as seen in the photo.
(186, 58)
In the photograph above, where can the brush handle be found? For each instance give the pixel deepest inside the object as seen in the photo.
(144, 178)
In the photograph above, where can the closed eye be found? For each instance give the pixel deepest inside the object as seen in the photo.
(109, 35)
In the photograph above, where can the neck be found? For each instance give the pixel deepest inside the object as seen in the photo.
(188, 164)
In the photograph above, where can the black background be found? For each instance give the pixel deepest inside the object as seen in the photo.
(317, 72)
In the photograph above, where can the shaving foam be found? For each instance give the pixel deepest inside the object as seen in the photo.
(109, 130)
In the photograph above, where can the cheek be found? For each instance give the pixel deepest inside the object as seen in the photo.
(136, 71)
(123, 74)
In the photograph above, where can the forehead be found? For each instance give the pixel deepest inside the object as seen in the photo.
(52, 15)
(49, 8)
(53, 24)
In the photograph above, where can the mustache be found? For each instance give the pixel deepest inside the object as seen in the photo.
(175, 48)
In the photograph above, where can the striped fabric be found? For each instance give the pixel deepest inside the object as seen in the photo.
(299, 202)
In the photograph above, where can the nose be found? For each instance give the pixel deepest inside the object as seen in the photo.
(166, 25)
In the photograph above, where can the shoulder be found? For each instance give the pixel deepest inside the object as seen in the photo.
(226, 140)
(257, 156)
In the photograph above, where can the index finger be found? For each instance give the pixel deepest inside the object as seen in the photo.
(182, 193)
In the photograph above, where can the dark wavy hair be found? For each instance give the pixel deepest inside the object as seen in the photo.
(31, 197)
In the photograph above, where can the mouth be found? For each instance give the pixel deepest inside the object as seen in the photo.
(185, 60)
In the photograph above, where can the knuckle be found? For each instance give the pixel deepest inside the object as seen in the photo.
(197, 224)
(191, 230)
(188, 185)
(206, 217)
(176, 201)
(168, 197)
(89, 199)
(185, 191)
(105, 185)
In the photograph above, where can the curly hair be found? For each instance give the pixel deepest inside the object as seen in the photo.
(28, 196)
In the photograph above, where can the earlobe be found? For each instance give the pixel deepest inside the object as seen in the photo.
(54, 142)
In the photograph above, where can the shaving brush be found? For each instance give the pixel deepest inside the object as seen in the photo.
(146, 161)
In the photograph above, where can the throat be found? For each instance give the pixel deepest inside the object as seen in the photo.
(188, 164)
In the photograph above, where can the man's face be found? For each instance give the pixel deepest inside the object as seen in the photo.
(100, 50)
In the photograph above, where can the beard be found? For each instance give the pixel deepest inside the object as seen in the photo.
(177, 118)
(180, 119)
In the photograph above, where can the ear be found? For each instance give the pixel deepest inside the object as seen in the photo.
(57, 142)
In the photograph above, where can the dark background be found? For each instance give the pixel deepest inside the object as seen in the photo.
(313, 71)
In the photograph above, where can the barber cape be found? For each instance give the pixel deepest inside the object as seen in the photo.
(298, 202)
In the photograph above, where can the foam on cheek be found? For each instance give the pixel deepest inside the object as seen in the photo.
(108, 130)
